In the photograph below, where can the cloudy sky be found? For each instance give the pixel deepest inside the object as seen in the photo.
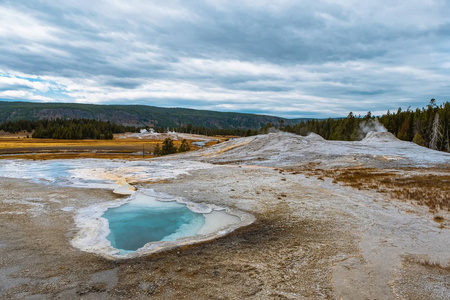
(285, 58)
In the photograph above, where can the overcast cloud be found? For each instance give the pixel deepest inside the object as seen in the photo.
(285, 58)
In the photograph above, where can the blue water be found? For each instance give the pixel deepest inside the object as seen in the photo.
(133, 225)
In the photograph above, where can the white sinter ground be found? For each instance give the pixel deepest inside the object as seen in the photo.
(282, 149)
(117, 176)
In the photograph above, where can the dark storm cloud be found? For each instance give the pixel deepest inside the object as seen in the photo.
(290, 58)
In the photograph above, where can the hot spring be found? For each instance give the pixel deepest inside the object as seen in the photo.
(149, 222)
(146, 222)
(146, 219)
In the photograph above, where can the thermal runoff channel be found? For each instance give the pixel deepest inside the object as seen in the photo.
(146, 219)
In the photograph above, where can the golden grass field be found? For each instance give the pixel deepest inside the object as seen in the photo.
(19, 146)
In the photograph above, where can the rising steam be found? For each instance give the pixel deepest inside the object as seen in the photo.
(368, 126)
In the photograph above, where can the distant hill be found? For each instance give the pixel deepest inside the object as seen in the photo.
(136, 115)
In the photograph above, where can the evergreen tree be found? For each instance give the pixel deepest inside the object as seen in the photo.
(168, 147)
(404, 131)
(418, 139)
(184, 146)
(157, 151)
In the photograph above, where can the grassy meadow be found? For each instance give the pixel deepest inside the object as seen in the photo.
(20, 147)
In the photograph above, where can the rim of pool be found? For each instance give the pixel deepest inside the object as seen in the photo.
(100, 230)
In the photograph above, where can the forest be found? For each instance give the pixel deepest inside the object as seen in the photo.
(428, 126)
(73, 129)
(134, 115)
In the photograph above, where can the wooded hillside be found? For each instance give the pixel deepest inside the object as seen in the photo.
(76, 129)
(135, 115)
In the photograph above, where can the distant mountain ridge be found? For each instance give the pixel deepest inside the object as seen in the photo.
(137, 115)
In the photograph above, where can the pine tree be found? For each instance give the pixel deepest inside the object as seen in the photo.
(418, 139)
(404, 131)
(168, 147)
(184, 146)
(157, 151)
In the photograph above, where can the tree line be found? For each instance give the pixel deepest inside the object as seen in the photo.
(189, 128)
(73, 129)
(428, 126)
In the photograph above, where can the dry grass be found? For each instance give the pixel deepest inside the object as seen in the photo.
(27, 143)
(438, 219)
(424, 187)
(24, 148)
(427, 263)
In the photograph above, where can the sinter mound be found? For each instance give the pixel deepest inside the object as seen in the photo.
(380, 137)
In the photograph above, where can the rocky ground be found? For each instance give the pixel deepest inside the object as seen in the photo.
(314, 236)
